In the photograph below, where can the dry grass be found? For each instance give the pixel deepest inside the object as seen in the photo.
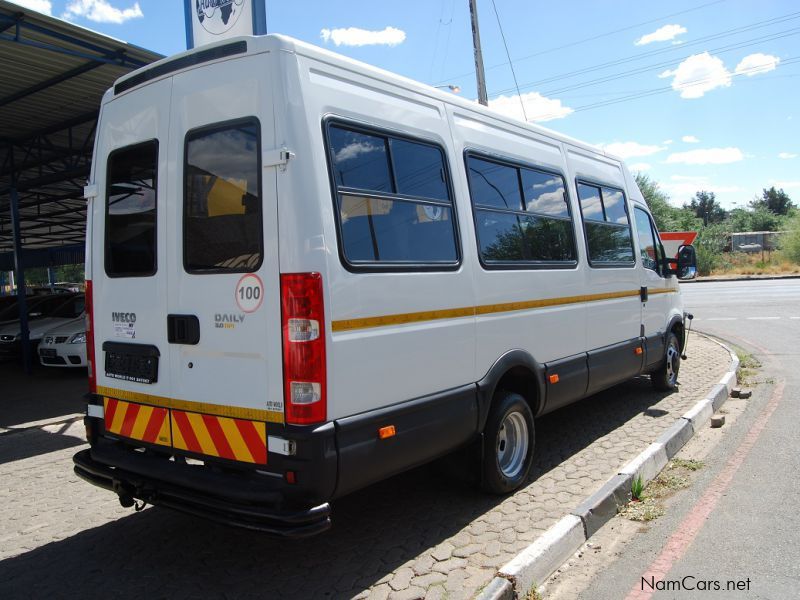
(674, 477)
(766, 263)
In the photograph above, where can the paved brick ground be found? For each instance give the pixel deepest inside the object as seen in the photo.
(418, 535)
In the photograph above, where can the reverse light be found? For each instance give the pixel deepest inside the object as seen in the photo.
(89, 307)
(304, 368)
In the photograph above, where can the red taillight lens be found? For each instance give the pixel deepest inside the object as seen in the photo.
(89, 308)
(304, 372)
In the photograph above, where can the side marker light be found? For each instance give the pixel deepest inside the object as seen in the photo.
(386, 432)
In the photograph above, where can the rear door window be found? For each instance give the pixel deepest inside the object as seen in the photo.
(222, 229)
(131, 211)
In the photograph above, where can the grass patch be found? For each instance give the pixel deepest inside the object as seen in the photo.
(533, 593)
(748, 366)
(648, 505)
(770, 263)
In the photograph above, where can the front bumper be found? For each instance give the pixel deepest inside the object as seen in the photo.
(232, 499)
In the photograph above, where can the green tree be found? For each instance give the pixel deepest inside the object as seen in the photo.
(774, 200)
(705, 206)
(658, 202)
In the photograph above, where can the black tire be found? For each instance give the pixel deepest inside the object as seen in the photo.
(509, 439)
(665, 378)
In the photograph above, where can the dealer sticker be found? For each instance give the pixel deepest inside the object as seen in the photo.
(249, 293)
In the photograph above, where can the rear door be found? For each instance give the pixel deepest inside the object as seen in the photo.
(223, 293)
(129, 267)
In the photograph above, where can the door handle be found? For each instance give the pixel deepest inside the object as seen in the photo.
(183, 329)
(643, 293)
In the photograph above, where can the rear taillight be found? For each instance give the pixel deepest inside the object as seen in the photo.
(304, 372)
(89, 308)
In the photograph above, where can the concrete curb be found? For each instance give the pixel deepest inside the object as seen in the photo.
(538, 561)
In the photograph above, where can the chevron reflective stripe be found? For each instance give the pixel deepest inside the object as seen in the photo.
(137, 421)
(234, 439)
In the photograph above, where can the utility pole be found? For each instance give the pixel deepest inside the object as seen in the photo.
(476, 42)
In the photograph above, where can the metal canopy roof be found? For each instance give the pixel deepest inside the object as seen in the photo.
(53, 77)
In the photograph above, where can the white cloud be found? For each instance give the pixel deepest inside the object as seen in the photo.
(690, 139)
(42, 6)
(755, 64)
(706, 156)
(698, 74)
(354, 36)
(786, 155)
(626, 150)
(101, 11)
(640, 167)
(537, 107)
(662, 34)
(667, 142)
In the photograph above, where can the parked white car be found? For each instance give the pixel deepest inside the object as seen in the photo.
(70, 308)
(65, 345)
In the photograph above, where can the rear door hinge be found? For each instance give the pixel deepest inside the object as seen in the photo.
(277, 157)
(90, 191)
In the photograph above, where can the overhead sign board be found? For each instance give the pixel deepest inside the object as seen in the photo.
(209, 21)
(673, 240)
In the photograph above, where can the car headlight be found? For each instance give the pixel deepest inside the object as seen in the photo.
(78, 338)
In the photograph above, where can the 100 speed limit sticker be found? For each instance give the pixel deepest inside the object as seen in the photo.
(249, 293)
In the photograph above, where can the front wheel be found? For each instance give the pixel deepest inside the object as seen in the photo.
(509, 439)
(665, 378)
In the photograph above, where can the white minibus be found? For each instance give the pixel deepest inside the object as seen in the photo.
(306, 274)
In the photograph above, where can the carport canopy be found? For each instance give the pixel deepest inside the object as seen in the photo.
(54, 74)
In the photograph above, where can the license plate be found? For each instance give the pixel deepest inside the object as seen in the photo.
(47, 353)
(129, 362)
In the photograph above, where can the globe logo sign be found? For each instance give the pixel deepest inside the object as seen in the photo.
(218, 16)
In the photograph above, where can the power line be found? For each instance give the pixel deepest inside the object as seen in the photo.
(640, 56)
(590, 39)
(510, 64)
(719, 50)
(662, 90)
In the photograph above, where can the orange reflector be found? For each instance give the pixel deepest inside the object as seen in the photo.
(638, 351)
(290, 477)
(554, 378)
(386, 432)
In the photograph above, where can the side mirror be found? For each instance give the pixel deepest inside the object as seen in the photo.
(687, 262)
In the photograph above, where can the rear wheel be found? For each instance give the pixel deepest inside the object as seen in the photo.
(508, 444)
(666, 376)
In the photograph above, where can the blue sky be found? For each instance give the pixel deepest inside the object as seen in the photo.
(698, 94)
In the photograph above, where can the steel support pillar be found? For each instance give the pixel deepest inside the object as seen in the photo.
(19, 277)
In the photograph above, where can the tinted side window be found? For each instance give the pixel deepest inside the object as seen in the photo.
(494, 184)
(539, 231)
(222, 230)
(544, 193)
(131, 211)
(608, 231)
(360, 160)
(393, 200)
(649, 246)
(419, 170)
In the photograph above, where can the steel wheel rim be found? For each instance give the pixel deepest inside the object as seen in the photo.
(673, 363)
(512, 444)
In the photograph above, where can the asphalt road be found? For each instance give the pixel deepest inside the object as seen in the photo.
(740, 521)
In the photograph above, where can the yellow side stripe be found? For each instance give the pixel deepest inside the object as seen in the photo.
(486, 309)
(220, 410)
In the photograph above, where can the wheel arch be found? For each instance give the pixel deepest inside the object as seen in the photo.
(516, 371)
